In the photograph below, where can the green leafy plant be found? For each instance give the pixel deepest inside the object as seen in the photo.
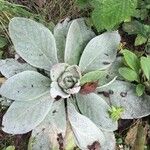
(136, 69)
(141, 30)
(139, 26)
(109, 13)
(142, 11)
(115, 112)
(45, 102)
(48, 100)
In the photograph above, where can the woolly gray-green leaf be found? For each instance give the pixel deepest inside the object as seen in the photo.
(44, 136)
(84, 130)
(95, 108)
(25, 86)
(60, 33)
(10, 67)
(100, 52)
(77, 38)
(123, 94)
(22, 117)
(110, 143)
(33, 42)
(111, 73)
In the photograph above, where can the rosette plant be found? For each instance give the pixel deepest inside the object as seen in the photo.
(68, 96)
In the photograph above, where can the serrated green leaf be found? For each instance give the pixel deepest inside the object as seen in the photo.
(109, 13)
(100, 52)
(33, 42)
(129, 74)
(132, 60)
(92, 76)
(140, 40)
(140, 89)
(145, 65)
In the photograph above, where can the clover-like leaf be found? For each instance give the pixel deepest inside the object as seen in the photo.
(122, 94)
(25, 86)
(33, 42)
(95, 108)
(100, 52)
(22, 117)
(10, 67)
(84, 130)
(77, 38)
(45, 136)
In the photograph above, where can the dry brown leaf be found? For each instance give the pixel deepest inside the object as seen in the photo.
(40, 3)
(2, 80)
(136, 136)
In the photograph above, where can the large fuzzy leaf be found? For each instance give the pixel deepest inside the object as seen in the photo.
(78, 36)
(22, 117)
(60, 34)
(10, 67)
(110, 143)
(25, 86)
(44, 136)
(111, 73)
(113, 69)
(33, 42)
(109, 13)
(123, 94)
(95, 108)
(84, 130)
(100, 52)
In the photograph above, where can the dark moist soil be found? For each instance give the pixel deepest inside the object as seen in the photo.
(21, 141)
